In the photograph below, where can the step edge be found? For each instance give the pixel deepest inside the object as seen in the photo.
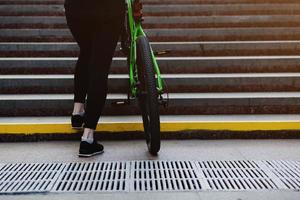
(65, 128)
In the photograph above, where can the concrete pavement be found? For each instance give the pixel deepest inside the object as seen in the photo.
(66, 151)
(164, 195)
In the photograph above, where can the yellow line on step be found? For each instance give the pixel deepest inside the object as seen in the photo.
(30, 129)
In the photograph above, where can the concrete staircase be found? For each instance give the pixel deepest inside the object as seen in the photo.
(234, 66)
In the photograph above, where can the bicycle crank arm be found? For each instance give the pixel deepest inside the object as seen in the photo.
(121, 103)
(162, 52)
(162, 101)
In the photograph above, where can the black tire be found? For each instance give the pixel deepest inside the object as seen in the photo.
(148, 96)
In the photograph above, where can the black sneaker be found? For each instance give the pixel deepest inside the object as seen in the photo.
(77, 121)
(87, 150)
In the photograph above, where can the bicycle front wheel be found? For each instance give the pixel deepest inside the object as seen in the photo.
(148, 95)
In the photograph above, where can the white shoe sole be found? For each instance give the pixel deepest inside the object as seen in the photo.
(90, 155)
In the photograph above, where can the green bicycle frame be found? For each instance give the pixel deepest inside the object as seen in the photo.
(136, 31)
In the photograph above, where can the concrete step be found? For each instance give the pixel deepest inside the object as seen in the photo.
(37, 90)
(30, 2)
(169, 123)
(167, 9)
(210, 1)
(154, 2)
(222, 21)
(179, 104)
(168, 65)
(118, 83)
(222, 9)
(226, 48)
(208, 34)
(165, 22)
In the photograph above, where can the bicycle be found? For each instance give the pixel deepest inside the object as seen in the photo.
(145, 82)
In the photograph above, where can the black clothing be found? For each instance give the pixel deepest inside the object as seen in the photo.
(77, 121)
(97, 32)
(97, 8)
(87, 150)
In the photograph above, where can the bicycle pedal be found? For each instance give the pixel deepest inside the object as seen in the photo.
(120, 103)
(163, 102)
(162, 52)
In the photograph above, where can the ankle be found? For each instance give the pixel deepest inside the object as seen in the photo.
(88, 134)
(88, 140)
(78, 113)
(78, 108)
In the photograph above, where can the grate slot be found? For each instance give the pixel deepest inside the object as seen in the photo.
(28, 177)
(94, 177)
(164, 176)
(287, 171)
(235, 175)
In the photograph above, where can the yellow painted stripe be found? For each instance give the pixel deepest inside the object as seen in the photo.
(64, 128)
(31, 129)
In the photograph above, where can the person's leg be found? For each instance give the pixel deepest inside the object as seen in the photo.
(104, 42)
(81, 81)
(99, 55)
(80, 28)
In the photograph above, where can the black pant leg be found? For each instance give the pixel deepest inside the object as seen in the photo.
(81, 29)
(96, 30)
(104, 42)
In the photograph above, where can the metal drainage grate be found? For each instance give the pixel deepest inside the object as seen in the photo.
(100, 177)
(28, 177)
(135, 176)
(164, 176)
(287, 171)
(236, 175)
